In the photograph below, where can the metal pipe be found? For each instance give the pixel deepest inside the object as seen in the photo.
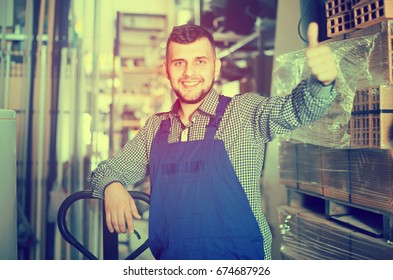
(40, 152)
(27, 78)
(238, 45)
(39, 90)
(7, 75)
(3, 16)
(51, 95)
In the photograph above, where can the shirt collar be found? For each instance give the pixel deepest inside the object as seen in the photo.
(207, 107)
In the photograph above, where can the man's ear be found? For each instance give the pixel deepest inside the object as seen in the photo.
(165, 69)
(217, 68)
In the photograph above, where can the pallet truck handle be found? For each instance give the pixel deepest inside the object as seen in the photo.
(62, 224)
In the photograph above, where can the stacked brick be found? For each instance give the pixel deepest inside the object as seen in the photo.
(344, 16)
(368, 12)
(340, 17)
(371, 120)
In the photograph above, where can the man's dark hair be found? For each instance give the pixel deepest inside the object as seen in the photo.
(189, 33)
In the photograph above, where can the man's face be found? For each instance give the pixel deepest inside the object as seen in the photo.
(191, 69)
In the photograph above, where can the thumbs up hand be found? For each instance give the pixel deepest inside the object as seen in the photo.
(320, 58)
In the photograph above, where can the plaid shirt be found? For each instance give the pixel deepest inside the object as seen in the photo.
(250, 121)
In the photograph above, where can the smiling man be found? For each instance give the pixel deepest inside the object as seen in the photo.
(191, 69)
(205, 156)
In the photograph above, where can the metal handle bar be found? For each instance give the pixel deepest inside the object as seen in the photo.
(61, 221)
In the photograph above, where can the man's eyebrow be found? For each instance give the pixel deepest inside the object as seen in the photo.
(201, 57)
(195, 58)
(177, 59)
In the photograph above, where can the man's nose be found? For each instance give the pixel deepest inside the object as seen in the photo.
(189, 70)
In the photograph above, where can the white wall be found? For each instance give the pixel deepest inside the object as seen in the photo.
(287, 38)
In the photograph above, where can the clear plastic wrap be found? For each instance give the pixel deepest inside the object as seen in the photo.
(337, 185)
(363, 61)
(309, 235)
(371, 178)
(362, 177)
(341, 166)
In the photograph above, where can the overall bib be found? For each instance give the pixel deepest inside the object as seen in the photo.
(198, 208)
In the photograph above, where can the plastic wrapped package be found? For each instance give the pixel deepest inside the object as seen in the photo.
(288, 164)
(363, 61)
(335, 169)
(363, 177)
(357, 190)
(308, 235)
(309, 167)
(318, 169)
(372, 178)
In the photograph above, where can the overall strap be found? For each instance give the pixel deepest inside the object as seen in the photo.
(211, 128)
(214, 122)
(163, 131)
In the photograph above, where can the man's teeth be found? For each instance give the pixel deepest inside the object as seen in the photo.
(190, 84)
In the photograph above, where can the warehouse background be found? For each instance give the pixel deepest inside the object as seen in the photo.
(79, 78)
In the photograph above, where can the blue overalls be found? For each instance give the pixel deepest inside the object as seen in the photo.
(198, 208)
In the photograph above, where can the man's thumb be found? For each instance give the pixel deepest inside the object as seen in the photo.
(312, 34)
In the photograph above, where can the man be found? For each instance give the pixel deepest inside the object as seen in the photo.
(205, 156)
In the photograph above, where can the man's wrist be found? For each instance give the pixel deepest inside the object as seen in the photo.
(112, 185)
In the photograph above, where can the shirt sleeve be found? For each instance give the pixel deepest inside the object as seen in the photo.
(128, 167)
(307, 103)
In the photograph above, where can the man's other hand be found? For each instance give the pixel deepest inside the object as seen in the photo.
(319, 57)
(120, 209)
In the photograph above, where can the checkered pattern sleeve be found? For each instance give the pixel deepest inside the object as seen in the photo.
(307, 103)
(130, 165)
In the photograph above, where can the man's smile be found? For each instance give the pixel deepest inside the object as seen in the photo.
(190, 84)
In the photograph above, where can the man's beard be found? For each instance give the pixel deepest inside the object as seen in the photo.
(201, 96)
(193, 101)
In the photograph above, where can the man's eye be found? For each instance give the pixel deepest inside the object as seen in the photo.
(179, 63)
(201, 61)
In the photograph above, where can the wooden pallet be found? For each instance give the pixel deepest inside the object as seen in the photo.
(378, 202)
(336, 194)
(373, 222)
